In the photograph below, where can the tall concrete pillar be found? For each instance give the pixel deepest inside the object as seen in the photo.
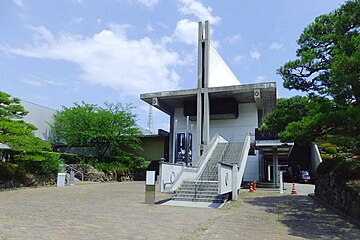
(203, 102)
(199, 101)
(275, 167)
(206, 49)
(172, 140)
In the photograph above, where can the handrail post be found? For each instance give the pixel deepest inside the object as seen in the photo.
(234, 182)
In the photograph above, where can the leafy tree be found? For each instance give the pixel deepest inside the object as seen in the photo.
(288, 110)
(104, 130)
(328, 69)
(328, 61)
(17, 133)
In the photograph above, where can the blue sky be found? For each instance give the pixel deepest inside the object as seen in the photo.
(57, 52)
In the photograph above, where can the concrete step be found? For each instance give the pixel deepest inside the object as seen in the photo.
(198, 189)
(216, 200)
(212, 196)
(182, 192)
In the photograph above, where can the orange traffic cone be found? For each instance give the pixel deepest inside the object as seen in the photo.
(254, 184)
(293, 191)
(251, 187)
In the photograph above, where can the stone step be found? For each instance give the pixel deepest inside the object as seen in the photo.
(199, 200)
(192, 191)
(208, 196)
(199, 187)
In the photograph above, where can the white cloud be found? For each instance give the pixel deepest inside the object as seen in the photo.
(76, 20)
(98, 21)
(254, 54)
(41, 35)
(233, 39)
(275, 46)
(109, 59)
(260, 78)
(163, 25)
(196, 8)
(239, 58)
(19, 2)
(149, 3)
(149, 28)
(40, 81)
(186, 31)
(33, 82)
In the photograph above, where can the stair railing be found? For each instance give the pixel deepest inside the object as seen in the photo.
(224, 152)
(246, 142)
(76, 171)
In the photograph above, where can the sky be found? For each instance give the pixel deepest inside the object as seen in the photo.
(58, 52)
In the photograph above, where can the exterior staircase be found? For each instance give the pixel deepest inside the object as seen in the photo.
(193, 191)
(233, 152)
(205, 189)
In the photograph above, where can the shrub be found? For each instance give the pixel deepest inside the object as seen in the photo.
(70, 158)
(7, 171)
(50, 164)
(327, 165)
(328, 148)
(11, 171)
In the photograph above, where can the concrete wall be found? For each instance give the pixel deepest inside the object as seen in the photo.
(39, 116)
(252, 169)
(315, 159)
(234, 130)
(231, 129)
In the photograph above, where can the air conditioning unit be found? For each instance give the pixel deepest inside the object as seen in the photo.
(155, 102)
(257, 93)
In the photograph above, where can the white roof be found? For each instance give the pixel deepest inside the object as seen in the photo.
(220, 74)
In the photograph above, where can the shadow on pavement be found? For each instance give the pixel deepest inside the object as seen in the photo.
(306, 218)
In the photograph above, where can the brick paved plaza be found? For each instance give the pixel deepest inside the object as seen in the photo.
(117, 211)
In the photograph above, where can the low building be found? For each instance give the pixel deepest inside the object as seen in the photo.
(41, 117)
(214, 127)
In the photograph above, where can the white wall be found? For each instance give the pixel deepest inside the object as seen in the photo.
(252, 169)
(225, 177)
(230, 129)
(234, 130)
(40, 117)
(315, 159)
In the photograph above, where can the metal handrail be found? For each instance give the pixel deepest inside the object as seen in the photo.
(176, 177)
(206, 151)
(75, 170)
(208, 169)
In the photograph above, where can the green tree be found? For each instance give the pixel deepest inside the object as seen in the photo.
(328, 69)
(328, 61)
(287, 110)
(104, 130)
(17, 133)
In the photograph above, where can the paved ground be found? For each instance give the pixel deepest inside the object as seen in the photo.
(266, 214)
(117, 211)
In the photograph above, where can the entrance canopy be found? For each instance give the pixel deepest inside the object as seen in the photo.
(267, 147)
(263, 94)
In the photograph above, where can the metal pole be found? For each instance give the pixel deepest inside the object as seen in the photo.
(187, 142)
(281, 183)
(174, 141)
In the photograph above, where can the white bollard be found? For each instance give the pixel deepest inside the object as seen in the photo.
(61, 180)
(281, 183)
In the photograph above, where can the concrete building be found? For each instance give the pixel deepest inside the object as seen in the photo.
(41, 117)
(212, 126)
